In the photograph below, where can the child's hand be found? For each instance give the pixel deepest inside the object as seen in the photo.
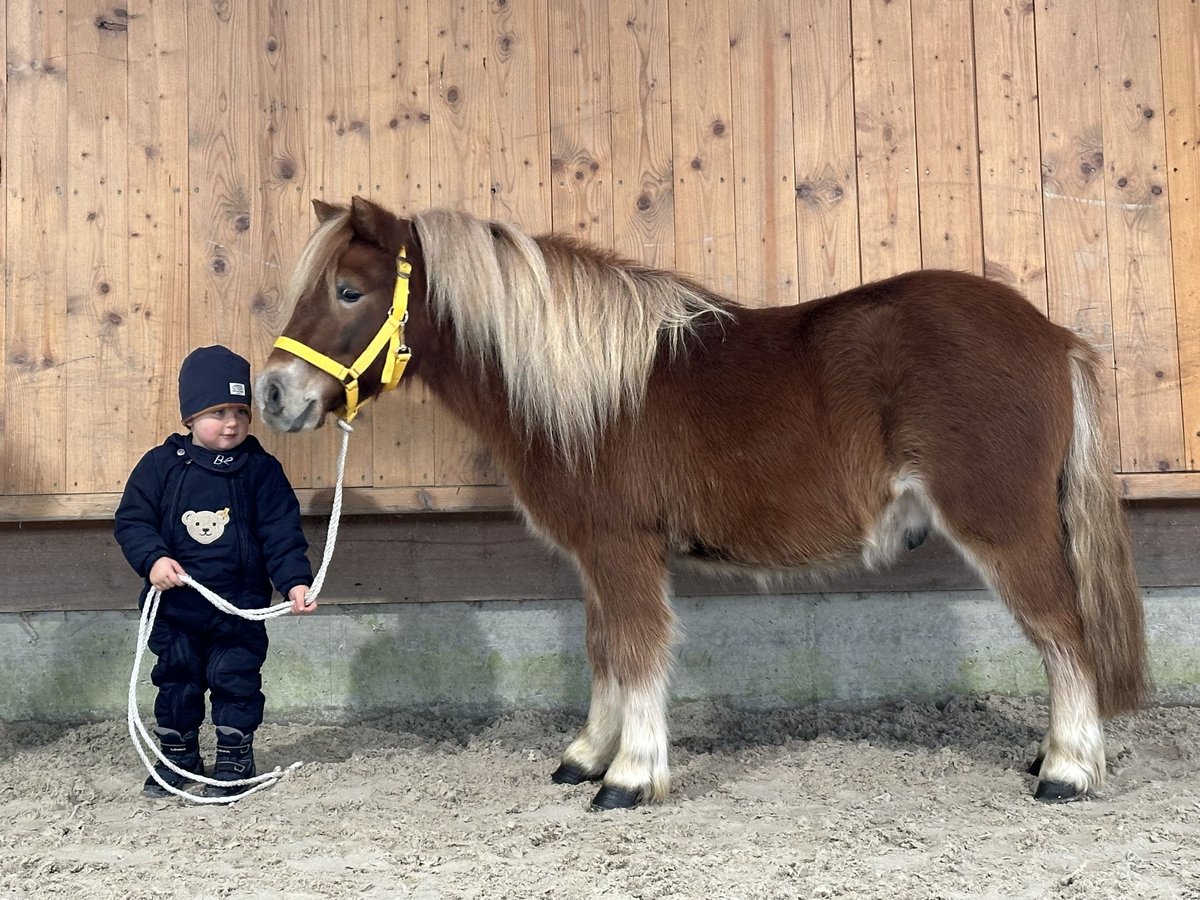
(166, 574)
(299, 606)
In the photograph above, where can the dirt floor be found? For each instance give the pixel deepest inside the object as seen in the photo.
(903, 801)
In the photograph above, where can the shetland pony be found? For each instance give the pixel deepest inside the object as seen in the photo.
(640, 417)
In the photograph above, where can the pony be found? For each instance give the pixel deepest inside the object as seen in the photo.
(641, 418)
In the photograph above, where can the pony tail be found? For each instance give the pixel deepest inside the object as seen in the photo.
(1099, 553)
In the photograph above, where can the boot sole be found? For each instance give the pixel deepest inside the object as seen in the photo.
(157, 792)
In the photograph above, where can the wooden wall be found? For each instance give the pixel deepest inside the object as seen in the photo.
(159, 159)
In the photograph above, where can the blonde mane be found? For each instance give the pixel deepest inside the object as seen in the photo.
(315, 265)
(575, 331)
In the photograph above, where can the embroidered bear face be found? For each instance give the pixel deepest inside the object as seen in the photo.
(205, 527)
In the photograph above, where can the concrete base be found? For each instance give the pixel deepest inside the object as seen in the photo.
(356, 661)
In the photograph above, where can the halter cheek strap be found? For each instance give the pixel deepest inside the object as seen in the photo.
(391, 334)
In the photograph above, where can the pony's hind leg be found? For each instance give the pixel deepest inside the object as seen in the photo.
(1030, 572)
(630, 629)
(1070, 759)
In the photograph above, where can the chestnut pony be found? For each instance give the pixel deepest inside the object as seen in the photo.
(640, 417)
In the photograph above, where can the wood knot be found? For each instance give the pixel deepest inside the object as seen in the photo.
(117, 21)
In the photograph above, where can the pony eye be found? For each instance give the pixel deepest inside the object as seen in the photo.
(349, 294)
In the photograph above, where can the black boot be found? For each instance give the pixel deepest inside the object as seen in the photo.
(181, 749)
(235, 761)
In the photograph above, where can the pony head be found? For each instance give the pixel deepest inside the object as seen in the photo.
(342, 293)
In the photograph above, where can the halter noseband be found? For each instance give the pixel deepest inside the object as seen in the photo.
(390, 333)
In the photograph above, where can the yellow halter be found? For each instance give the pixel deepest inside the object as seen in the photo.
(390, 333)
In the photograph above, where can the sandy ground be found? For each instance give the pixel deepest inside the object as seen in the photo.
(904, 801)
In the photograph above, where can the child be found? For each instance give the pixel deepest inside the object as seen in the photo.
(217, 506)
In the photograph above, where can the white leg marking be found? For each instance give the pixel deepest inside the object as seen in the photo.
(1074, 745)
(641, 763)
(596, 745)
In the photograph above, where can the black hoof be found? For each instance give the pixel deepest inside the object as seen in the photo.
(1057, 792)
(616, 798)
(569, 774)
(1035, 767)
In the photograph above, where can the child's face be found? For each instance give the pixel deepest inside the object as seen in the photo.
(222, 428)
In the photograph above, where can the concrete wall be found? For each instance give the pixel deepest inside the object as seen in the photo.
(357, 660)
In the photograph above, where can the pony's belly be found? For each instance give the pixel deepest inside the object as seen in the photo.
(817, 545)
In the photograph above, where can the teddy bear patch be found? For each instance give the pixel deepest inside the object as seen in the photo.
(205, 527)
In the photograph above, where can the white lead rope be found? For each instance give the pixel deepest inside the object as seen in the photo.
(142, 741)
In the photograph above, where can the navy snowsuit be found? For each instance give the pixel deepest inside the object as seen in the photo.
(231, 520)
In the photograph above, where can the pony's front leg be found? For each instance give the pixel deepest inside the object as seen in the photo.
(630, 629)
(590, 754)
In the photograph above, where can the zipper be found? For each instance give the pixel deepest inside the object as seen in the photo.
(237, 529)
(173, 517)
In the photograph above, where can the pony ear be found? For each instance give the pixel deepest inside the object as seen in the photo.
(326, 211)
(375, 224)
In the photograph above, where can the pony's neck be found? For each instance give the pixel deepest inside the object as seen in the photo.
(476, 396)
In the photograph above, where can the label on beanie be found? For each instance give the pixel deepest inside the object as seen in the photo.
(236, 389)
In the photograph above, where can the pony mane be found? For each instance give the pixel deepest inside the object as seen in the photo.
(574, 330)
(315, 265)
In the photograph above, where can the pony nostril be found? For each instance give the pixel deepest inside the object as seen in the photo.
(274, 396)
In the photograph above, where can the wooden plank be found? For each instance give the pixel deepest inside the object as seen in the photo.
(1006, 84)
(1075, 225)
(340, 168)
(1161, 486)
(434, 498)
(888, 214)
(236, 258)
(158, 218)
(1180, 30)
(519, 80)
(460, 132)
(580, 140)
(36, 340)
(223, 175)
(461, 169)
(398, 89)
(701, 123)
(826, 178)
(764, 194)
(5, 265)
(281, 58)
(459, 557)
(947, 142)
(639, 84)
(313, 501)
(1145, 339)
(100, 391)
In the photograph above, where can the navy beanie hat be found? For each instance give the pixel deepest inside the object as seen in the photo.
(211, 377)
